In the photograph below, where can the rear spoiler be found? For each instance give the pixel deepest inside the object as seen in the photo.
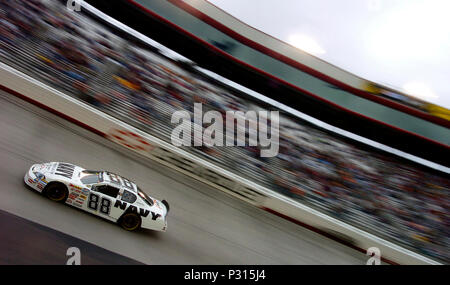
(166, 204)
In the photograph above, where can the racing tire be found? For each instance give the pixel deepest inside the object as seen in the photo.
(56, 192)
(130, 221)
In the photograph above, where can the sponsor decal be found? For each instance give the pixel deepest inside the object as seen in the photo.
(139, 211)
(43, 181)
(31, 181)
(75, 187)
(77, 201)
(73, 196)
(85, 191)
(83, 197)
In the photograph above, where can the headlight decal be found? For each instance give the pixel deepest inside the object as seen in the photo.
(40, 180)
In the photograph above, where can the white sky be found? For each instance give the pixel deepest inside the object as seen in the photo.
(404, 44)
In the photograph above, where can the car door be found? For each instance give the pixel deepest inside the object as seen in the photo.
(102, 199)
(125, 199)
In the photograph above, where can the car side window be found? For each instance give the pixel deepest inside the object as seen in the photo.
(129, 197)
(108, 190)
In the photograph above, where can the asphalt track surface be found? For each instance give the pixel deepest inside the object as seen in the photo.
(205, 225)
(27, 243)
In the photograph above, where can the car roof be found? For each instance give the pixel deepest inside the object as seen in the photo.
(119, 181)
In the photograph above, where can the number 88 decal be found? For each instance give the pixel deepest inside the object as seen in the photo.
(105, 205)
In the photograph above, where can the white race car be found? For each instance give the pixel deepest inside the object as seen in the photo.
(102, 193)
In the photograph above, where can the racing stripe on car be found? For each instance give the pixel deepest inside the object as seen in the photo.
(65, 169)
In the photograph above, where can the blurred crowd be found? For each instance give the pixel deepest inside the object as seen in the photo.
(71, 52)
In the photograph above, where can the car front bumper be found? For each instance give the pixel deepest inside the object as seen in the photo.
(32, 181)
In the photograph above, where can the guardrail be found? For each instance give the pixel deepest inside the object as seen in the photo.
(156, 149)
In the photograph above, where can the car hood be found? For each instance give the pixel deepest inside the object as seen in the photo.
(45, 168)
(56, 169)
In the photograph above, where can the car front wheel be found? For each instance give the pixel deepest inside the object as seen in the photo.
(56, 192)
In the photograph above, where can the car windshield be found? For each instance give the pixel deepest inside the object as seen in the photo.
(90, 177)
(144, 197)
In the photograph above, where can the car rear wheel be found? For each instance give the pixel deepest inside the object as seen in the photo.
(130, 221)
(56, 192)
